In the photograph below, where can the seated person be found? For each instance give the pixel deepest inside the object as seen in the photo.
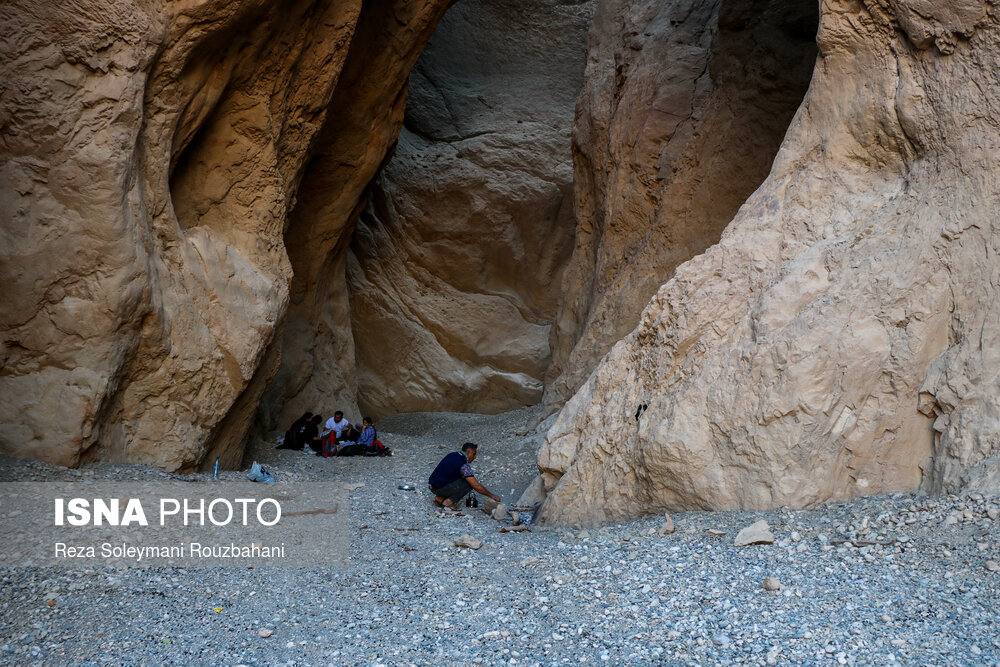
(308, 435)
(291, 440)
(338, 424)
(365, 440)
(367, 436)
(453, 478)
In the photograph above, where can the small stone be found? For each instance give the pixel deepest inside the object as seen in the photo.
(530, 560)
(489, 505)
(756, 533)
(468, 542)
(886, 618)
(993, 513)
(716, 533)
(499, 512)
(519, 528)
(515, 518)
(668, 525)
(992, 566)
(772, 584)
(264, 633)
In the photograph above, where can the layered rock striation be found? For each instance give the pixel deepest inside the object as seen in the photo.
(840, 338)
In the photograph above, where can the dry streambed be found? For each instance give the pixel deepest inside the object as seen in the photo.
(906, 579)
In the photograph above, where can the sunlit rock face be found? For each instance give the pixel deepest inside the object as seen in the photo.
(841, 337)
(455, 268)
(757, 267)
(153, 153)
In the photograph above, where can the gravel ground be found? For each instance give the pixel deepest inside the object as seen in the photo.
(904, 579)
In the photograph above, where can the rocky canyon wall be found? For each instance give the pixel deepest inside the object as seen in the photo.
(455, 266)
(203, 231)
(841, 337)
(318, 370)
(152, 154)
(683, 108)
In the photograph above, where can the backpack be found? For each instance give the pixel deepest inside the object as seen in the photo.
(378, 449)
(328, 444)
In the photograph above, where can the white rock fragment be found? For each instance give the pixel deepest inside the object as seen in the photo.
(468, 542)
(756, 533)
(771, 584)
(668, 525)
(264, 633)
(992, 566)
(499, 512)
(519, 528)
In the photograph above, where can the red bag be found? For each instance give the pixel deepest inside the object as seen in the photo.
(328, 444)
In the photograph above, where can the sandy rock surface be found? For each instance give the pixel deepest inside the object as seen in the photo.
(683, 107)
(459, 257)
(153, 155)
(839, 339)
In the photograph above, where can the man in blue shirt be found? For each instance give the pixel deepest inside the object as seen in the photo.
(453, 478)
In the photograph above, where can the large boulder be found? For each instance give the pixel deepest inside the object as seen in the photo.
(842, 336)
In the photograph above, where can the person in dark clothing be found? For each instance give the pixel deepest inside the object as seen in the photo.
(453, 478)
(292, 434)
(309, 434)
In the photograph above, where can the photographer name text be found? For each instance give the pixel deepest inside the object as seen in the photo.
(138, 553)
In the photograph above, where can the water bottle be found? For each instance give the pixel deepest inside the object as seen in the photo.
(215, 469)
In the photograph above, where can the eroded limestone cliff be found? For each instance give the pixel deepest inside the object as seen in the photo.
(683, 108)
(458, 259)
(152, 154)
(841, 337)
(203, 231)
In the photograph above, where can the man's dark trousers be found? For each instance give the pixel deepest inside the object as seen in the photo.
(454, 491)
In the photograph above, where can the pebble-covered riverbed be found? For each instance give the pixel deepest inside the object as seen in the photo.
(907, 579)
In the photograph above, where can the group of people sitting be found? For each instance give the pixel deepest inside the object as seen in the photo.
(451, 481)
(339, 437)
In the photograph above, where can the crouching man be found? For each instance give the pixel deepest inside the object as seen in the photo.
(453, 478)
